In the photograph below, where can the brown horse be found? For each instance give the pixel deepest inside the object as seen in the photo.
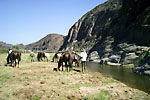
(13, 57)
(76, 59)
(40, 55)
(65, 57)
(56, 57)
(68, 58)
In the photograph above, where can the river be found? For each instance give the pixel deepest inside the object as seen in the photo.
(125, 75)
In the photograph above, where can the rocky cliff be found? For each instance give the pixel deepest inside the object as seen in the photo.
(117, 30)
(51, 43)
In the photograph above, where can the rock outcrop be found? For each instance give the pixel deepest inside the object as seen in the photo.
(116, 28)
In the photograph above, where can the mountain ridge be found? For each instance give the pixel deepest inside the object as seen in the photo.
(51, 43)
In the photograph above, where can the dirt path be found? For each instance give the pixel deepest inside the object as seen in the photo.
(39, 81)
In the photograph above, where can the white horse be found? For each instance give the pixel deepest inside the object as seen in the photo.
(47, 56)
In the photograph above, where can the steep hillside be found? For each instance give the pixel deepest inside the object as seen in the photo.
(51, 42)
(117, 27)
(92, 27)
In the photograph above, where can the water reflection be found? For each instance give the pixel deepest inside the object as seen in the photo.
(124, 75)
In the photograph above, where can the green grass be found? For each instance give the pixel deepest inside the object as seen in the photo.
(140, 59)
(35, 98)
(77, 86)
(25, 57)
(5, 76)
(3, 57)
(102, 95)
(3, 50)
(110, 81)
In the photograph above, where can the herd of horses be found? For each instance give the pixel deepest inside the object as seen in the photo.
(62, 58)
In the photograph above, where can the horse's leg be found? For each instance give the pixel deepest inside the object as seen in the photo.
(53, 59)
(15, 63)
(59, 64)
(47, 59)
(66, 66)
(70, 63)
(62, 67)
(8, 59)
(11, 62)
(18, 63)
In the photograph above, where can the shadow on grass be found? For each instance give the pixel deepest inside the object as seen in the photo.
(76, 70)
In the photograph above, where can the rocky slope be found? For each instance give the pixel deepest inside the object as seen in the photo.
(51, 43)
(116, 31)
(5, 45)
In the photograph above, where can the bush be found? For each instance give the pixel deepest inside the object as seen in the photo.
(140, 59)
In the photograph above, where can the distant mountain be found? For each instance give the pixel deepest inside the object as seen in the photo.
(51, 43)
(5, 45)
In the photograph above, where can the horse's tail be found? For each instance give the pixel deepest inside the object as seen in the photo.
(70, 61)
(38, 56)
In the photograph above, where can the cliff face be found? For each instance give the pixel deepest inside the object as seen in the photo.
(117, 27)
(92, 27)
(51, 43)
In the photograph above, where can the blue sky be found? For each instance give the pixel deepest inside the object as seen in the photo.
(27, 21)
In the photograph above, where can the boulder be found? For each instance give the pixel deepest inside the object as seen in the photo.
(94, 56)
(147, 72)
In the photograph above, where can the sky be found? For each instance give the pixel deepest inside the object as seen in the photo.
(27, 21)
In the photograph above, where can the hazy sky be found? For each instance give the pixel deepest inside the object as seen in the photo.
(26, 21)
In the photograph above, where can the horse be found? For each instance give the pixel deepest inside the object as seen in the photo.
(40, 55)
(32, 56)
(44, 55)
(68, 58)
(47, 56)
(13, 57)
(56, 56)
(77, 60)
(65, 57)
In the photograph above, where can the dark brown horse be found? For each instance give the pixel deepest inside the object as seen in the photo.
(66, 58)
(14, 57)
(40, 55)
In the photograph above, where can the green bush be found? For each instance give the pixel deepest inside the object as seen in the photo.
(140, 59)
(102, 95)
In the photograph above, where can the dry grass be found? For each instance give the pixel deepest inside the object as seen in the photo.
(38, 81)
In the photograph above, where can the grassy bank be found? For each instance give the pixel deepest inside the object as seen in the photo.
(38, 81)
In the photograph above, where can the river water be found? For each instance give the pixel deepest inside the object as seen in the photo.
(125, 75)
